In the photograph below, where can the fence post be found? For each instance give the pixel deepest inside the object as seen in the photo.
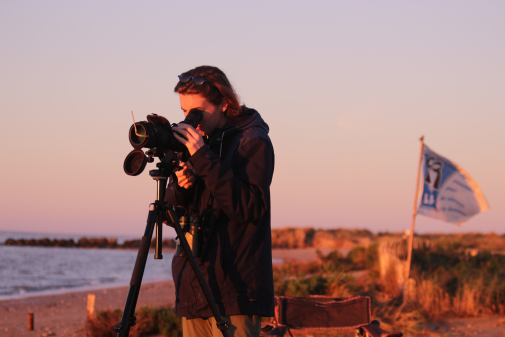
(30, 321)
(91, 306)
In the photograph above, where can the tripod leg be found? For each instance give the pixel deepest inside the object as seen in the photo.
(221, 324)
(162, 187)
(128, 318)
(158, 255)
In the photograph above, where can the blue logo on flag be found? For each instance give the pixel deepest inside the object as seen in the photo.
(436, 172)
(432, 179)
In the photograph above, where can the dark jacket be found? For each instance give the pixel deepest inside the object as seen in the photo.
(232, 192)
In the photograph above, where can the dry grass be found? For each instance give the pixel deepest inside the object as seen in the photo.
(431, 299)
(449, 282)
(150, 321)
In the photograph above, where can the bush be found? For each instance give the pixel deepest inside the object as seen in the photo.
(150, 321)
(464, 285)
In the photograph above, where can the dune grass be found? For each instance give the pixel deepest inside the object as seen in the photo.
(452, 276)
(150, 321)
(447, 282)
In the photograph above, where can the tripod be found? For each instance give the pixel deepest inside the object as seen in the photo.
(155, 218)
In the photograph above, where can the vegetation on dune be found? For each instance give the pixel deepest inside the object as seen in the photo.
(451, 276)
(448, 282)
(150, 321)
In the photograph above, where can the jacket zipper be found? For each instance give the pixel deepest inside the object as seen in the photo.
(221, 145)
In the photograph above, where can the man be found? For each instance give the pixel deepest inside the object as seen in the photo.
(226, 181)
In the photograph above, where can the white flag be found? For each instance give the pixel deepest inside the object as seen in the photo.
(449, 193)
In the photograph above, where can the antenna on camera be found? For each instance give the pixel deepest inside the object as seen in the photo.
(135, 126)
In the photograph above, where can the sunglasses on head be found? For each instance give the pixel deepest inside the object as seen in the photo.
(198, 80)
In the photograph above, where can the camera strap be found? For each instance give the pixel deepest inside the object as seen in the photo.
(208, 226)
(175, 182)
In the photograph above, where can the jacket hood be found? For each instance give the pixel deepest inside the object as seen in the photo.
(249, 118)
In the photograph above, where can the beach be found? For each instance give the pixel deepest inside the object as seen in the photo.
(66, 314)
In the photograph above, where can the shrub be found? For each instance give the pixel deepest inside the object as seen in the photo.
(150, 321)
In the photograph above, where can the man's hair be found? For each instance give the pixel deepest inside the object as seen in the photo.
(216, 88)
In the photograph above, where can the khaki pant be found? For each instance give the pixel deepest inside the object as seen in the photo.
(239, 326)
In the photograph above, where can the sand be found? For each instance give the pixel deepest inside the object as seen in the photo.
(66, 314)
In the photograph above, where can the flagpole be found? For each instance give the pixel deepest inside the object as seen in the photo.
(411, 238)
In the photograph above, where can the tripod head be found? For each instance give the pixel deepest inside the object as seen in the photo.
(168, 162)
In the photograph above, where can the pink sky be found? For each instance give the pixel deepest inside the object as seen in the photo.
(346, 87)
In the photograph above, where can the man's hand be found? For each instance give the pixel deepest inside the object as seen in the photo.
(186, 176)
(192, 138)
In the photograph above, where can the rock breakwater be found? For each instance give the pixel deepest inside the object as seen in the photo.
(84, 242)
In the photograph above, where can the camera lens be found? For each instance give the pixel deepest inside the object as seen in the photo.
(139, 137)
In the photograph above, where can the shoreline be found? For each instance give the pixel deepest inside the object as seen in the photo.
(63, 291)
(283, 254)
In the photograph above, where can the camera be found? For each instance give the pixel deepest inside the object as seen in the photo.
(157, 135)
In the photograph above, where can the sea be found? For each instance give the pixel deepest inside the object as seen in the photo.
(31, 271)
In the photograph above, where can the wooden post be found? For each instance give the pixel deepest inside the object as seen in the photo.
(30, 321)
(414, 213)
(91, 306)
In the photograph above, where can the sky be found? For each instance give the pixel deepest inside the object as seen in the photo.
(347, 88)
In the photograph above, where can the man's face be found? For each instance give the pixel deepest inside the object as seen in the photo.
(213, 117)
